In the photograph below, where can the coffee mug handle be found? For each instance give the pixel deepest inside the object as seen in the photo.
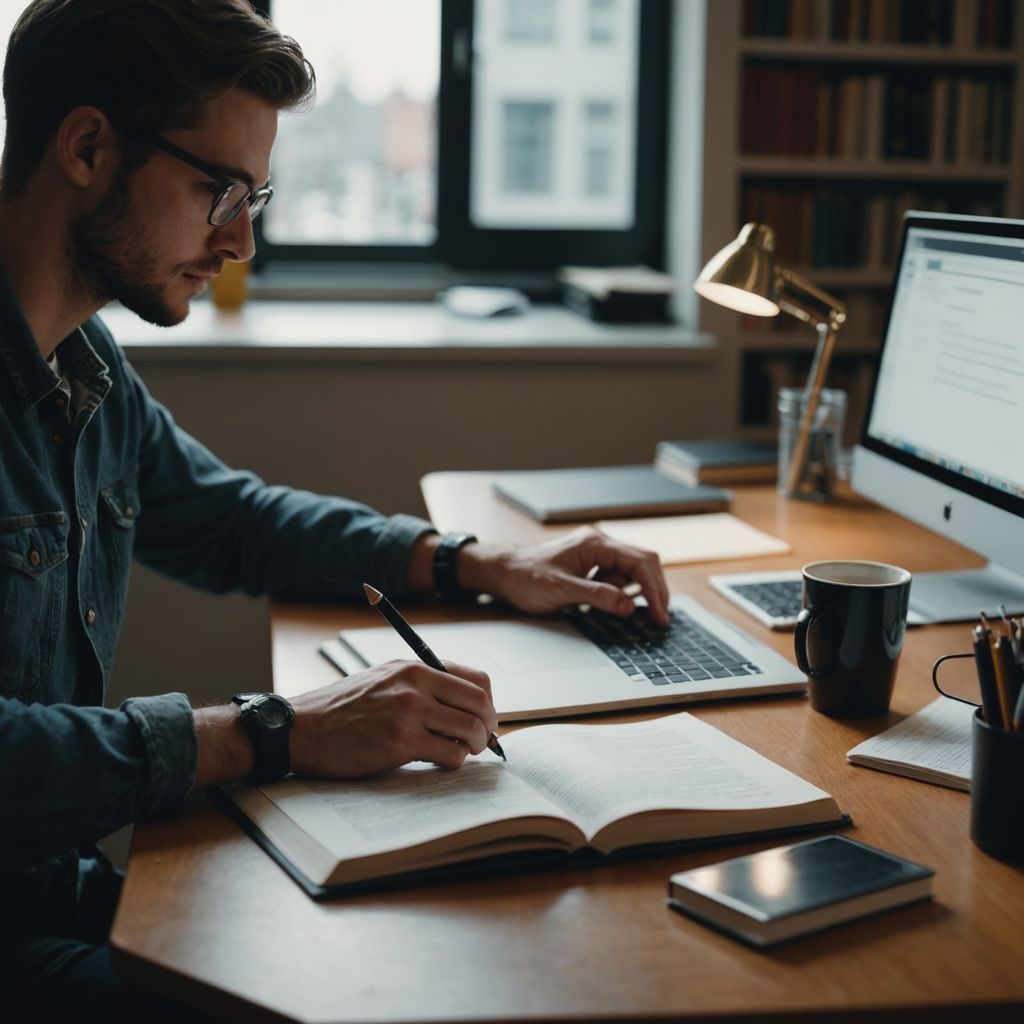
(803, 624)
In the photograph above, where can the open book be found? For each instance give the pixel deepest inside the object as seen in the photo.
(564, 789)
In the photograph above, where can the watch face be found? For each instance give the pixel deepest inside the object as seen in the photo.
(272, 713)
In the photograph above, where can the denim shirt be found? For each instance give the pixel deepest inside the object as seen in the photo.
(80, 496)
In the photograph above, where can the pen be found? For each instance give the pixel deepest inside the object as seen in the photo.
(986, 677)
(417, 643)
(1018, 712)
(1006, 678)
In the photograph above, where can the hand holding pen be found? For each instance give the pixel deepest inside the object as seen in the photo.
(417, 643)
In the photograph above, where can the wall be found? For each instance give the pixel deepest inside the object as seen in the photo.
(370, 430)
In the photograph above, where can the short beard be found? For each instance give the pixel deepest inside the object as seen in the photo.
(110, 260)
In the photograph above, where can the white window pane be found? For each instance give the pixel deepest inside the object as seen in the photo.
(360, 168)
(553, 139)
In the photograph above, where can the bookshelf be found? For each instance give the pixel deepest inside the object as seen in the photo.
(827, 119)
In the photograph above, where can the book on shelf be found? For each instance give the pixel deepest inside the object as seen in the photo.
(933, 745)
(717, 460)
(778, 895)
(568, 794)
(789, 112)
(961, 23)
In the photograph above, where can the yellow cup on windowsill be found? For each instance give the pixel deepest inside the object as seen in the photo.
(228, 289)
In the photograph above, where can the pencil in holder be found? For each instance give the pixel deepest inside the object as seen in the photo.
(997, 790)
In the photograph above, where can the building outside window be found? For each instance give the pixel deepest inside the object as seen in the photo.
(601, 15)
(527, 146)
(599, 121)
(530, 21)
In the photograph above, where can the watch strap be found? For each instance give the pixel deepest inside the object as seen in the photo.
(271, 756)
(446, 584)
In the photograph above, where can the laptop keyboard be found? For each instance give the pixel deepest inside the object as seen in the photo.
(781, 599)
(684, 652)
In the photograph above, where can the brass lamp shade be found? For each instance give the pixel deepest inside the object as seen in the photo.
(742, 276)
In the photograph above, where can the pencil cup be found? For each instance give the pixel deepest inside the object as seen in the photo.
(817, 480)
(997, 795)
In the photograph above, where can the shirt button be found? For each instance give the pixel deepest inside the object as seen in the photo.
(34, 557)
(90, 616)
(85, 522)
(57, 438)
(60, 403)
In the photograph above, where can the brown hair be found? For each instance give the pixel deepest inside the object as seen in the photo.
(147, 64)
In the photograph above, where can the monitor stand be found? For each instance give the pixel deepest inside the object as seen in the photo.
(960, 596)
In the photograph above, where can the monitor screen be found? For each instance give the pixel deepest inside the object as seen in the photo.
(943, 440)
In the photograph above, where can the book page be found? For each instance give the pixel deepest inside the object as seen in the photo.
(407, 806)
(933, 745)
(600, 773)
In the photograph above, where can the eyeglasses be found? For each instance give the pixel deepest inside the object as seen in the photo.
(229, 195)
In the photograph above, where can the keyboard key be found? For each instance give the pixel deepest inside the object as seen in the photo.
(647, 653)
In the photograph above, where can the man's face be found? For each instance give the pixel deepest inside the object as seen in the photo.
(147, 243)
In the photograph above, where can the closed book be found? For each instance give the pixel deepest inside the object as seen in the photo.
(717, 460)
(780, 894)
(605, 492)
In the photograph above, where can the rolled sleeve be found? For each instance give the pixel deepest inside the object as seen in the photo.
(168, 730)
(390, 558)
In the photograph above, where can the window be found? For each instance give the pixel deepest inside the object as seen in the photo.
(601, 21)
(600, 148)
(504, 134)
(526, 150)
(530, 21)
(360, 168)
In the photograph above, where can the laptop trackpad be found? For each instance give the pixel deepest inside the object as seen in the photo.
(498, 648)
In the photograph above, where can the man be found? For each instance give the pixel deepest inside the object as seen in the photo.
(137, 154)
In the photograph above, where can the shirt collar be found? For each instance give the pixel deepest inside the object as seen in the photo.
(20, 358)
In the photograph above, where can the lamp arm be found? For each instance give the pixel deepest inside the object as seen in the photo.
(798, 297)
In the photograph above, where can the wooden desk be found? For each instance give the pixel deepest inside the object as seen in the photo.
(207, 916)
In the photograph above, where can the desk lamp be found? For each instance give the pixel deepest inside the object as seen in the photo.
(743, 276)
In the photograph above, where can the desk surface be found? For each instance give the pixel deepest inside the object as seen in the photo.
(206, 915)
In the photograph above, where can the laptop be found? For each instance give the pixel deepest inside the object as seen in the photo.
(776, 598)
(585, 662)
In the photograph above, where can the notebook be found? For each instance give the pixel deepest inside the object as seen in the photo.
(933, 745)
(605, 492)
(780, 894)
(587, 662)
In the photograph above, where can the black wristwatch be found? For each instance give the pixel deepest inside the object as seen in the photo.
(445, 583)
(267, 718)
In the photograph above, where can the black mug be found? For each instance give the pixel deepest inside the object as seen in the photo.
(850, 634)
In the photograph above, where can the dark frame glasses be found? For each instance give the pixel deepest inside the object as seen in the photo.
(229, 198)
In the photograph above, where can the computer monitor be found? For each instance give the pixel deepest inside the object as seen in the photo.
(943, 439)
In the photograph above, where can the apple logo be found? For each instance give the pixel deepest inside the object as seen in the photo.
(947, 511)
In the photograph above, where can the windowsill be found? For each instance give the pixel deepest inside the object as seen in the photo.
(417, 331)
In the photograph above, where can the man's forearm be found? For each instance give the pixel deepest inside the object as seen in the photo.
(225, 749)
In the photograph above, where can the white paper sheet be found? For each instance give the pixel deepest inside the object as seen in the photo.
(696, 538)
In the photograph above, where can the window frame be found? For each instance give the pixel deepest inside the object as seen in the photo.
(460, 244)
